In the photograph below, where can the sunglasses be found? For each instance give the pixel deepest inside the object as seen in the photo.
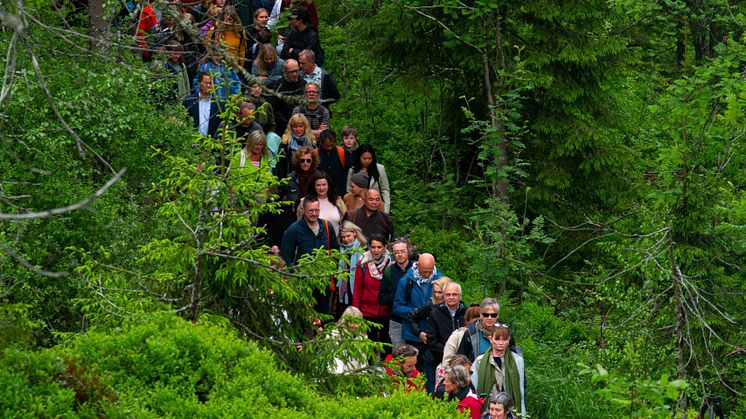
(505, 325)
(306, 160)
(490, 315)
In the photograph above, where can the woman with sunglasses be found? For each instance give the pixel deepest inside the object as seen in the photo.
(475, 340)
(501, 369)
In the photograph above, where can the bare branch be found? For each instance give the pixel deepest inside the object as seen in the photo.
(62, 210)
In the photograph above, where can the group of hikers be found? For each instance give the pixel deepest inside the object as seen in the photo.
(339, 192)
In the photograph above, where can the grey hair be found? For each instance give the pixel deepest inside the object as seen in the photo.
(502, 398)
(450, 284)
(489, 303)
(405, 350)
(459, 376)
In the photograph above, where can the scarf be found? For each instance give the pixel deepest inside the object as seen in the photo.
(511, 380)
(296, 143)
(376, 266)
(304, 178)
(345, 286)
(419, 278)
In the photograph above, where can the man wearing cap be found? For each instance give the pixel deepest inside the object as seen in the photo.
(301, 36)
(371, 218)
(356, 197)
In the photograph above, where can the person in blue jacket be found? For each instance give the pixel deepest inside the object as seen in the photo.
(414, 290)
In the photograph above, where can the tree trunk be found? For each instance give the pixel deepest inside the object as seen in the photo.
(99, 26)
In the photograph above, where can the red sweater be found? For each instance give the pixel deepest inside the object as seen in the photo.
(365, 294)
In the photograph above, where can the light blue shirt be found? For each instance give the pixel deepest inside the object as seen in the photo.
(204, 116)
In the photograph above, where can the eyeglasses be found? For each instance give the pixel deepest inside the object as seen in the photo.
(306, 160)
(505, 325)
(490, 315)
(452, 294)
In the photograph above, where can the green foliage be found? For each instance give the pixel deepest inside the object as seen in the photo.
(160, 365)
(646, 399)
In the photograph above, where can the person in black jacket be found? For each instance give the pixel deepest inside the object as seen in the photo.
(301, 36)
(444, 319)
(423, 314)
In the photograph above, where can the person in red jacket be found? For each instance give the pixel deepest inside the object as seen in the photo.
(458, 387)
(147, 26)
(402, 365)
(368, 277)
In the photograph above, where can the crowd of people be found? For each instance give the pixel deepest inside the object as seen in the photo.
(338, 196)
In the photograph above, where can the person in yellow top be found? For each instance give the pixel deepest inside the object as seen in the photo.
(229, 32)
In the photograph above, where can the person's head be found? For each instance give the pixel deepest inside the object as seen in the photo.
(298, 125)
(213, 11)
(462, 360)
(472, 314)
(359, 183)
(372, 200)
(426, 265)
(312, 93)
(298, 17)
(264, 36)
(438, 289)
(291, 70)
(452, 294)
(500, 337)
(377, 245)
(351, 312)
(307, 61)
(175, 50)
(327, 140)
(456, 378)
(401, 249)
(255, 90)
(321, 185)
(305, 159)
(266, 58)
(500, 405)
(349, 231)
(407, 356)
(311, 208)
(256, 143)
(205, 84)
(489, 311)
(349, 136)
(229, 19)
(261, 17)
(365, 159)
(246, 111)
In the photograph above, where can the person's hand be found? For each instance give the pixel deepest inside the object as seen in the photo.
(423, 337)
(323, 127)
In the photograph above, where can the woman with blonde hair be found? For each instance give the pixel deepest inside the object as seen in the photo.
(267, 66)
(351, 363)
(297, 135)
(352, 243)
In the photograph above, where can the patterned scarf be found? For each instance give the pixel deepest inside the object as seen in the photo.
(419, 278)
(344, 285)
(376, 266)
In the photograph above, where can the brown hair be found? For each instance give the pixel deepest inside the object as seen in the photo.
(472, 313)
(501, 331)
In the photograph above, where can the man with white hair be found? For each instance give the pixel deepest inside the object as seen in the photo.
(312, 73)
(444, 319)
